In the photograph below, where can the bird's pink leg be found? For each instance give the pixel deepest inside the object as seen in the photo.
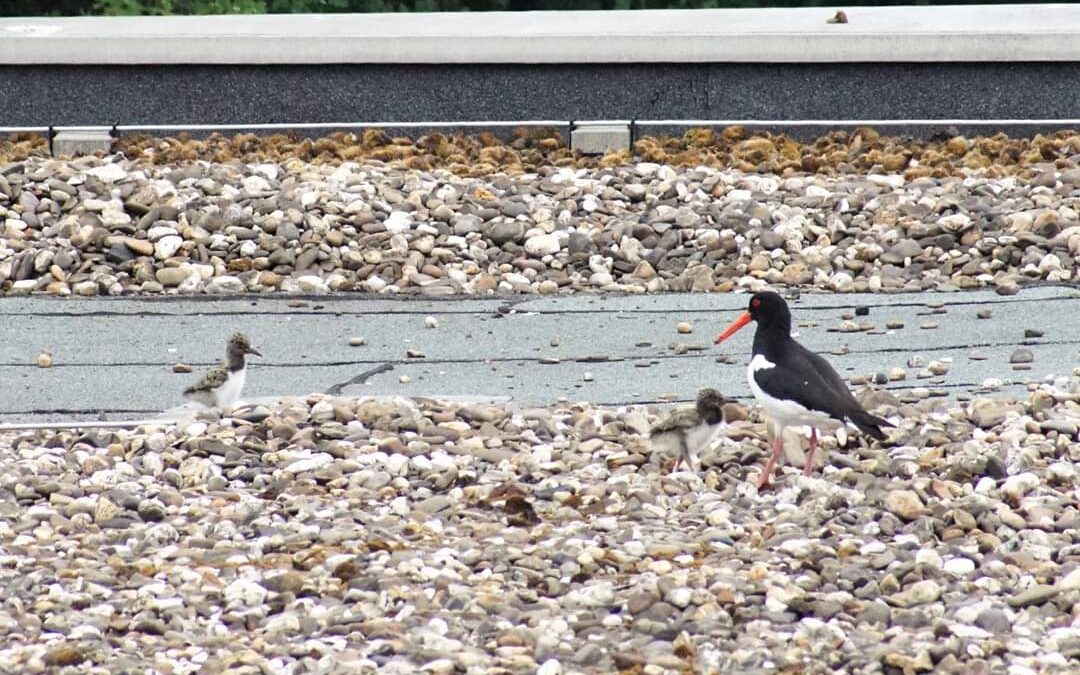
(770, 466)
(809, 468)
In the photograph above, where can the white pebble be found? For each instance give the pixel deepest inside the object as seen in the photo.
(928, 557)
(550, 667)
(960, 567)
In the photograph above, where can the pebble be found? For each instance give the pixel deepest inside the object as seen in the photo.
(45, 359)
(959, 566)
(228, 226)
(684, 327)
(326, 533)
(1036, 595)
(938, 367)
(988, 412)
(920, 593)
(905, 503)
(1022, 355)
(560, 502)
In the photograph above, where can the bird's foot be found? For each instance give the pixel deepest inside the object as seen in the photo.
(809, 467)
(764, 481)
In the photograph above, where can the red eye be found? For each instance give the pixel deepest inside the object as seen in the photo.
(755, 303)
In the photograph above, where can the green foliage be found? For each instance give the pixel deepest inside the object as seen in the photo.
(172, 7)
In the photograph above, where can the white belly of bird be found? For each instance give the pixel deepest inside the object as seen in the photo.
(230, 391)
(781, 412)
(699, 437)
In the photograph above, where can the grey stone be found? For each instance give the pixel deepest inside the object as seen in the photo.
(506, 231)
(905, 248)
(994, 620)
(82, 142)
(600, 139)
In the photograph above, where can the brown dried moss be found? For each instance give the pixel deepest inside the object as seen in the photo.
(862, 150)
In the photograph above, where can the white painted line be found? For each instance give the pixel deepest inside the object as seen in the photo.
(859, 123)
(342, 125)
(481, 124)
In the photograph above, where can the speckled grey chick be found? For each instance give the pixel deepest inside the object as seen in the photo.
(221, 387)
(687, 431)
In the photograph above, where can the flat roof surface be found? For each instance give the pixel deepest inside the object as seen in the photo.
(622, 339)
(1033, 32)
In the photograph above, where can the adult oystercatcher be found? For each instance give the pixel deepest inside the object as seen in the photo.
(688, 431)
(795, 386)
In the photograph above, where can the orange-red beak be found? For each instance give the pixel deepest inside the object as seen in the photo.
(743, 319)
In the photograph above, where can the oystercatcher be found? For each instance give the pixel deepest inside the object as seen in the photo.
(795, 386)
(689, 430)
(221, 387)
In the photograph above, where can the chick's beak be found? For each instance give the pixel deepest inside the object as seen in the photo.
(252, 350)
(743, 319)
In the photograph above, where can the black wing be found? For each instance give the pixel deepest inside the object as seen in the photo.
(844, 404)
(807, 379)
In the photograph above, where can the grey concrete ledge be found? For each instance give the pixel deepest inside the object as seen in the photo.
(990, 33)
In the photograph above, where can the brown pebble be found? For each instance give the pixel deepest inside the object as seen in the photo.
(181, 368)
(45, 359)
(64, 655)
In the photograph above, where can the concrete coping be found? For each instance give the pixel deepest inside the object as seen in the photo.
(994, 33)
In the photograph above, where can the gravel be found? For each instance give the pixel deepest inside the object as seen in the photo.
(400, 535)
(380, 220)
(333, 535)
